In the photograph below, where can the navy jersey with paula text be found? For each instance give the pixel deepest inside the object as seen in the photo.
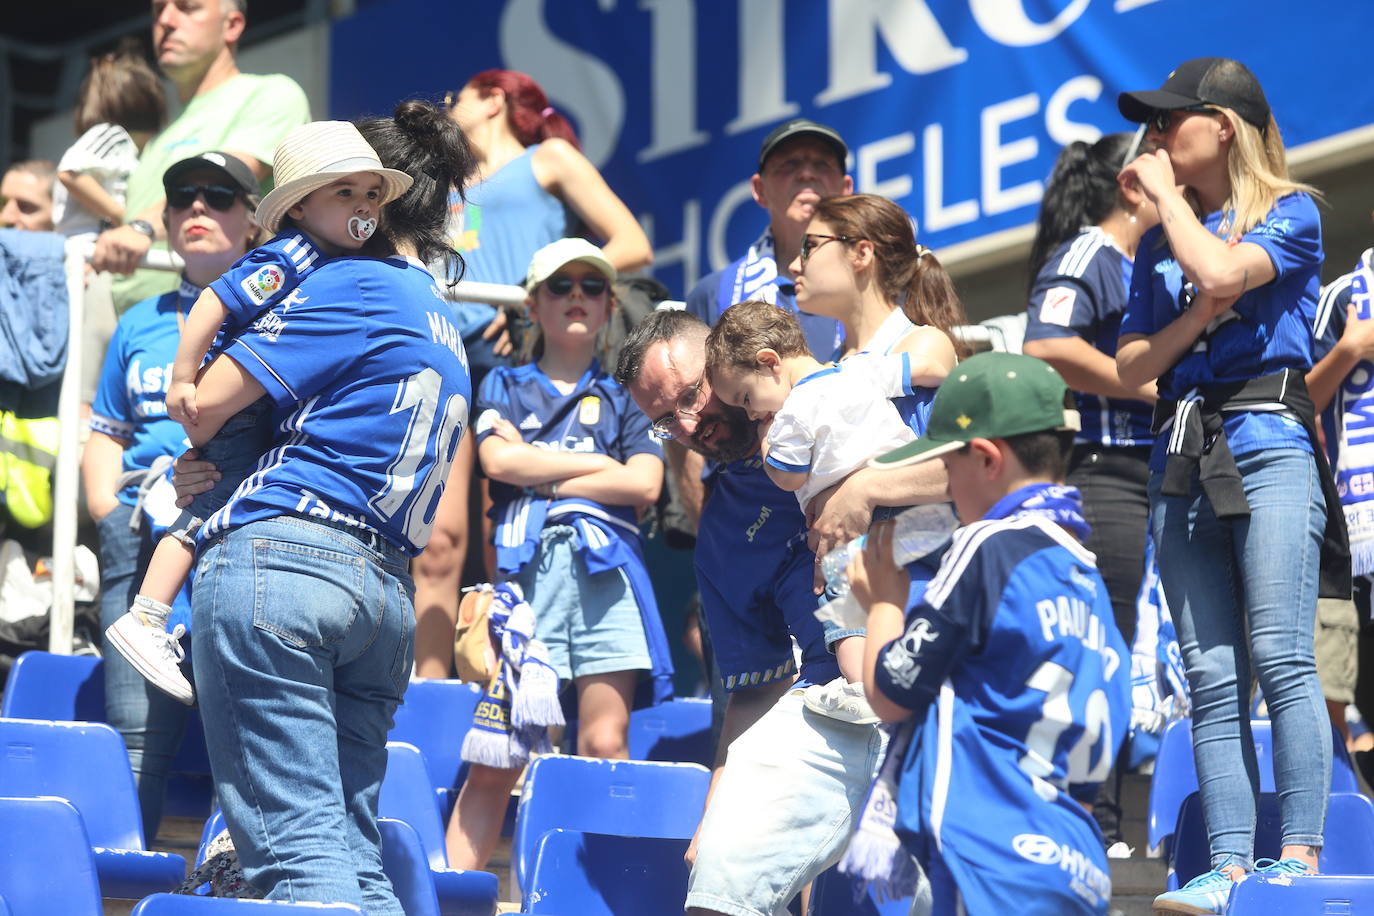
(372, 387)
(1020, 686)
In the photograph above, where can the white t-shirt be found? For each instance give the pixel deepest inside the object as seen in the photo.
(838, 417)
(108, 154)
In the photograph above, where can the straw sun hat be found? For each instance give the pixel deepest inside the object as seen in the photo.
(316, 154)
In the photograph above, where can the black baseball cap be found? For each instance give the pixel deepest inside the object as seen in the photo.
(226, 163)
(798, 127)
(1201, 81)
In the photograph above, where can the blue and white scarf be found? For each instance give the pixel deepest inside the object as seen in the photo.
(754, 276)
(1355, 457)
(875, 853)
(521, 701)
(1159, 683)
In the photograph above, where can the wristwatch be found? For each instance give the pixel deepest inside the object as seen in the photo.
(145, 227)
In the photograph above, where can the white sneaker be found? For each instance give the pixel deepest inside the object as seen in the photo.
(1120, 850)
(154, 653)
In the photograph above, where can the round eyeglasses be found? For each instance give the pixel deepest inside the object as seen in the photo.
(690, 401)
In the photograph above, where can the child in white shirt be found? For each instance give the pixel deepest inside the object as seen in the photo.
(824, 421)
(119, 107)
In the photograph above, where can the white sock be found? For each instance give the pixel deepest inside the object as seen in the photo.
(151, 613)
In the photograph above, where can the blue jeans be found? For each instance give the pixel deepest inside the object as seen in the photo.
(151, 722)
(1256, 576)
(307, 632)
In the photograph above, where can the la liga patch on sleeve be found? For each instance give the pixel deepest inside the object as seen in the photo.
(1057, 306)
(262, 283)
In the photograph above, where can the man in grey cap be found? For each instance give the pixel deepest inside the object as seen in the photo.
(800, 163)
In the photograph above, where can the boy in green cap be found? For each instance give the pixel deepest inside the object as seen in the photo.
(1008, 676)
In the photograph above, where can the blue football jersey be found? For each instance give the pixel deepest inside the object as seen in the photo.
(1081, 292)
(372, 382)
(264, 277)
(1020, 684)
(130, 402)
(1266, 330)
(755, 574)
(596, 417)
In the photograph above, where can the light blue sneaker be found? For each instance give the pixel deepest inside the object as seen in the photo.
(1282, 867)
(1205, 894)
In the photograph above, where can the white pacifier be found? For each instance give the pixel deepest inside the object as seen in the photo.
(361, 229)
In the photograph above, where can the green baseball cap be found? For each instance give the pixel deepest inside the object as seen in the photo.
(988, 396)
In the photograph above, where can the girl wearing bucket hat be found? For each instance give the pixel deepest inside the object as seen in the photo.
(330, 196)
(303, 624)
(1245, 518)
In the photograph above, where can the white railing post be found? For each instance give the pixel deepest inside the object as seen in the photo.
(66, 485)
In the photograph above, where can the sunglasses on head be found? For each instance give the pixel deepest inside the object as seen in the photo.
(1164, 118)
(562, 284)
(217, 196)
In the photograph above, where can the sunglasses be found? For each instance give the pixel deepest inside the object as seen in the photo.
(217, 196)
(562, 284)
(810, 243)
(1163, 120)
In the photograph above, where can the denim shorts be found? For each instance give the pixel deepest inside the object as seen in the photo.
(590, 623)
(234, 451)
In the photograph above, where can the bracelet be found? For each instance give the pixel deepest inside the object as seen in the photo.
(553, 489)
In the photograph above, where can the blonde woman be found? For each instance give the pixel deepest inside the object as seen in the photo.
(1220, 312)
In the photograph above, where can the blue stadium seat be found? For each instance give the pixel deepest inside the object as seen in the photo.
(71, 688)
(618, 797)
(593, 874)
(837, 894)
(1175, 775)
(46, 865)
(403, 860)
(1262, 896)
(187, 905)
(42, 685)
(86, 763)
(1349, 834)
(435, 716)
(678, 731)
(408, 796)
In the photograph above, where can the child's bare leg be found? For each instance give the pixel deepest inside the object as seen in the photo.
(167, 570)
(603, 714)
(474, 829)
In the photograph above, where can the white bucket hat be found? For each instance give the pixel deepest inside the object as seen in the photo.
(315, 154)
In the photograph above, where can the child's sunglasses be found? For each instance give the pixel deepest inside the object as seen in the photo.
(217, 197)
(561, 285)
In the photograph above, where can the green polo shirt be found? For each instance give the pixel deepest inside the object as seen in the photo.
(247, 113)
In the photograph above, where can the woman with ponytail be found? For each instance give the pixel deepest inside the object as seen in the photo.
(1080, 270)
(860, 264)
(302, 612)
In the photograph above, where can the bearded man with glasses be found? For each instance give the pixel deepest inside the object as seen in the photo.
(795, 760)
